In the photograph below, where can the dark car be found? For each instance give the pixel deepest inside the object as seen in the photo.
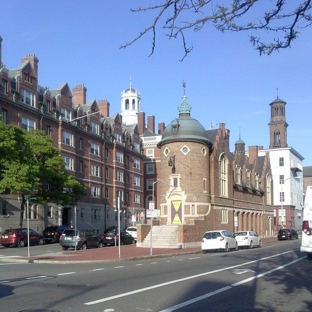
(51, 234)
(82, 239)
(287, 234)
(19, 237)
(111, 238)
(113, 229)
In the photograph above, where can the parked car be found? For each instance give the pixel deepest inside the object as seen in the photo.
(132, 230)
(19, 237)
(247, 239)
(51, 234)
(218, 240)
(113, 229)
(111, 238)
(82, 239)
(287, 234)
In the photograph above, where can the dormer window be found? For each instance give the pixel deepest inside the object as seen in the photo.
(175, 129)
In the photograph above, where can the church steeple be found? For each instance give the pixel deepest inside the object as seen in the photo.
(278, 125)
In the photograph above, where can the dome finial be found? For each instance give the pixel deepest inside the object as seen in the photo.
(184, 86)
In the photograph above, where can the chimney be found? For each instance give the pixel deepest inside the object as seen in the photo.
(80, 94)
(141, 122)
(161, 127)
(151, 123)
(104, 107)
(253, 153)
(33, 60)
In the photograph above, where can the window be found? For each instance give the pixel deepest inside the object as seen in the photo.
(28, 124)
(136, 181)
(106, 192)
(69, 163)
(81, 212)
(4, 86)
(49, 212)
(67, 138)
(119, 157)
(4, 116)
(136, 163)
(106, 173)
(117, 137)
(95, 191)
(137, 198)
(94, 127)
(281, 179)
(150, 153)
(28, 98)
(257, 181)
(95, 214)
(150, 169)
(224, 216)
(133, 104)
(282, 196)
(136, 147)
(48, 130)
(120, 194)
(95, 170)
(281, 161)
(32, 213)
(223, 175)
(80, 166)
(238, 175)
(119, 176)
(81, 143)
(127, 104)
(95, 150)
(149, 184)
(205, 185)
(65, 113)
(106, 153)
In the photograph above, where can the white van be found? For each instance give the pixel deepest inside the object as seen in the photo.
(306, 240)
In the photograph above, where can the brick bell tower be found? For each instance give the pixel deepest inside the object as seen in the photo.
(278, 125)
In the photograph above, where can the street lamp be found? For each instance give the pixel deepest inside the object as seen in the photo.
(152, 208)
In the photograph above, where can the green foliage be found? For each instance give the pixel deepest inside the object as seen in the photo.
(30, 164)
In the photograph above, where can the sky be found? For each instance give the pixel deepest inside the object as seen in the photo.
(78, 42)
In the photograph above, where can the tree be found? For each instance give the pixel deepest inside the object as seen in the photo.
(281, 17)
(31, 165)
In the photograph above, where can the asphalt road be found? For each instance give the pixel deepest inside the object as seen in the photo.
(272, 278)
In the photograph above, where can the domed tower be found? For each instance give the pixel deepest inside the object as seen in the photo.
(183, 180)
(130, 106)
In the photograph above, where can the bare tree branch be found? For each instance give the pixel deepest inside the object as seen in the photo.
(284, 18)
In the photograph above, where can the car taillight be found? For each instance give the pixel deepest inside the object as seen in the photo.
(305, 228)
(245, 237)
(13, 235)
(61, 237)
(78, 239)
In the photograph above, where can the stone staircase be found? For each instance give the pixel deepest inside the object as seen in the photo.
(163, 236)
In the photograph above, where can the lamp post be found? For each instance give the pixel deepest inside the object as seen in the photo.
(118, 223)
(282, 200)
(27, 212)
(152, 208)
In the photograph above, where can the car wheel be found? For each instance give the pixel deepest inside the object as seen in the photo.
(134, 241)
(41, 241)
(100, 245)
(309, 256)
(236, 247)
(84, 246)
(64, 247)
(251, 245)
(227, 247)
(21, 243)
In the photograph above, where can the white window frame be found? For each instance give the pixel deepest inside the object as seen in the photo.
(149, 184)
(136, 147)
(28, 124)
(67, 138)
(224, 216)
(136, 163)
(137, 198)
(119, 176)
(65, 113)
(95, 171)
(69, 162)
(95, 191)
(150, 169)
(150, 152)
(28, 98)
(119, 157)
(94, 127)
(136, 181)
(95, 149)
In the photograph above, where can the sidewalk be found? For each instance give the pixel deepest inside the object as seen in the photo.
(111, 254)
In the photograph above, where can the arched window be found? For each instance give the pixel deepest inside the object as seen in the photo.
(248, 181)
(133, 104)
(238, 175)
(127, 104)
(277, 138)
(223, 175)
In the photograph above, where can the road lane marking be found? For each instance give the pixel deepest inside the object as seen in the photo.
(101, 269)
(119, 267)
(186, 303)
(35, 277)
(182, 280)
(68, 273)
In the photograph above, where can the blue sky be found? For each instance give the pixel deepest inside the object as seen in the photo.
(226, 80)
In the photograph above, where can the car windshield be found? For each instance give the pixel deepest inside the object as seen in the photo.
(240, 233)
(131, 229)
(8, 232)
(70, 233)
